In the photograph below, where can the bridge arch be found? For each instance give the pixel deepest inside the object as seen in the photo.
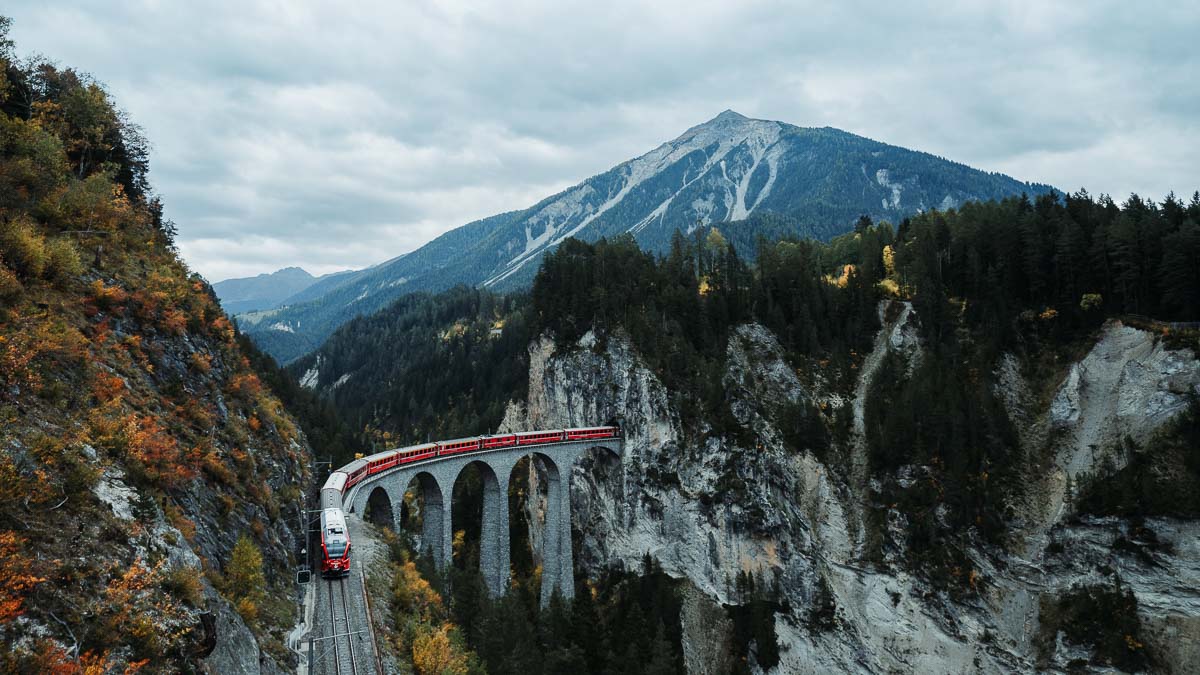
(551, 490)
(493, 531)
(435, 519)
(380, 508)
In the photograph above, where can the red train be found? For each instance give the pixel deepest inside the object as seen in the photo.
(336, 557)
(335, 543)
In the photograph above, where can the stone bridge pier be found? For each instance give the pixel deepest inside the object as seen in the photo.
(436, 479)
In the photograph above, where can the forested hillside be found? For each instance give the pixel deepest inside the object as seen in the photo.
(992, 276)
(1030, 278)
(150, 478)
(428, 367)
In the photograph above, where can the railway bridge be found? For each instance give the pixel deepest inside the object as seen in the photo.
(435, 478)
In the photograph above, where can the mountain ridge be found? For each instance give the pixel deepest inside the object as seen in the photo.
(726, 170)
(270, 289)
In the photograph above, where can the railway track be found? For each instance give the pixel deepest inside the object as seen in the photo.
(342, 651)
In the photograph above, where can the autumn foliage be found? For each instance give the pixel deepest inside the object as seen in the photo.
(117, 364)
(15, 580)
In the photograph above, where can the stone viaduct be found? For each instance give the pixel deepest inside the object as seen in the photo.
(435, 479)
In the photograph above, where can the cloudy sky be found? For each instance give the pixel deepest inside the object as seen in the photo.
(337, 135)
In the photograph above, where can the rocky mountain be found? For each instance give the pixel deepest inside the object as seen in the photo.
(804, 521)
(757, 175)
(151, 480)
(268, 291)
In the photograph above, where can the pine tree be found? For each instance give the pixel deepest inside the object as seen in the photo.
(663, 658)
(1180, 272)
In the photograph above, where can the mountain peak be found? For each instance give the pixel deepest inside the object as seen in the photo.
(728, 116)
(812, 182)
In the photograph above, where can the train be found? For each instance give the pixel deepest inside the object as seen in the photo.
(335, 537)
(335, 543)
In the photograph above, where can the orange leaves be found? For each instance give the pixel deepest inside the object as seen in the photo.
(135, 610)
(15, 356)
(173, 321)
(222, 329)
(217, 469)
(175, 517)
(412, 594)
(53, 659)
(107, 387)
(28, 341)
(433, 648)
(108, 298)
(434, 654)
(200, 363)
(245, 385)
(150, 450)
(244, 579)
(158, 452)
(15, 579)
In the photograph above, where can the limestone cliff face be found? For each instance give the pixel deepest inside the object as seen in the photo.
(707, 512)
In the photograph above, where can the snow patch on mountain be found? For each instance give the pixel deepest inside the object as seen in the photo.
(715, 140)
(762, 138)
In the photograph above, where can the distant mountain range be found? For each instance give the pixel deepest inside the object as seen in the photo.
(752, 175)
(267, 291)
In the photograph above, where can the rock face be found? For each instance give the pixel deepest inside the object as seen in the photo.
(709, 512)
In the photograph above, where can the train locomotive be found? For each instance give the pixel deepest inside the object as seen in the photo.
(335, 536)
(335, 544)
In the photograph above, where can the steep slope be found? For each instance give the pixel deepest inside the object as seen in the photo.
(150, 481)
(729, 169)
(793, 520)
(265, 291)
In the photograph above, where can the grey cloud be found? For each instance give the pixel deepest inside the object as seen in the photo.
(300, 133)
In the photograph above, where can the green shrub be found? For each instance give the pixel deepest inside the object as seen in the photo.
(244, 578)
(62, 261)
(10, 285)
(184, 583)
(23, 248)
(1100, 617)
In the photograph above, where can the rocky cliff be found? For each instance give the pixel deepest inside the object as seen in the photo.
(711, 509)
(149, 480)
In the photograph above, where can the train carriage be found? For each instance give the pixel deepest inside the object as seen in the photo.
(591, 433)
(355, 472)
(331, 493)
(382, 461)
(505, 441)
(537, 437)
(335, 544)
(459, 445)
(417, 453)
